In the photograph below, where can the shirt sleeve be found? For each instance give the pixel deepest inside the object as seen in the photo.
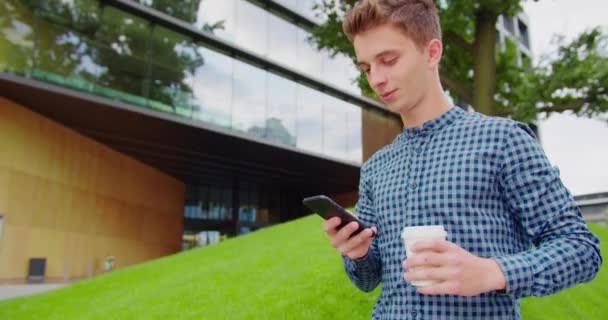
(565, 252)
(365, 272)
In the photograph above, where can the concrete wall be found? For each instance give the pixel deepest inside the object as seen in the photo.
(74, 201)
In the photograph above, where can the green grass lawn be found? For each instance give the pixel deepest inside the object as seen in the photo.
(283, 272)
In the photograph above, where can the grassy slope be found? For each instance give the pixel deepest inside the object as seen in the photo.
(284, 272)
(585, 301)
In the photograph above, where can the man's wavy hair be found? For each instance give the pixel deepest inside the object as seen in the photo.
(418, 19)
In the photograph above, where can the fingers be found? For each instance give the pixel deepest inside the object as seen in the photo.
(330, 225)
(437, 245)
(429, 273)
(446, 287)
(430, 258)
(341, 239)
(364, 238)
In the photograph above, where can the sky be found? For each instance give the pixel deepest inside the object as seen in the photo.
(577, 146)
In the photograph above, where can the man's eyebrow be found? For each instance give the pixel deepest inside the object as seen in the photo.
(378, 55)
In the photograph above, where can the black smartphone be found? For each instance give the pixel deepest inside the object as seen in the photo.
(327, 208)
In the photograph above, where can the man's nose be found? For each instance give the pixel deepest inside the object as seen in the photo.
(376, 79)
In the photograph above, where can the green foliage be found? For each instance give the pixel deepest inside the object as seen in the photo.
(573, 79)
(288, 271)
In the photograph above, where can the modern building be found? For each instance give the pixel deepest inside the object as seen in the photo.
(594, 206)
(127, 126)
(515, 29)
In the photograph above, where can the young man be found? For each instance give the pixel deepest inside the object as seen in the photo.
(513, 228)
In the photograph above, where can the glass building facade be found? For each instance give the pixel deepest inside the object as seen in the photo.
(103, 48)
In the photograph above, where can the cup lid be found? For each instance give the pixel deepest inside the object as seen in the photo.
(424, 231)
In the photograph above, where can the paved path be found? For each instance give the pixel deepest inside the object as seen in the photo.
(15, 290)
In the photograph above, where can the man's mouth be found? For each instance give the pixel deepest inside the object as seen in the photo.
(389, 95)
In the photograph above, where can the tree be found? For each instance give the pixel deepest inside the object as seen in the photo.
(491, 80)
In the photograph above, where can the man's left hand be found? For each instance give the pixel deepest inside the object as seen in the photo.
(459, 271)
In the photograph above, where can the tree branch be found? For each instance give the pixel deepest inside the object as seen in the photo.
(457, 87)
(459, 41)
(574, 105)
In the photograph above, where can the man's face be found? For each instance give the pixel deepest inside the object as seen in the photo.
(397, 70)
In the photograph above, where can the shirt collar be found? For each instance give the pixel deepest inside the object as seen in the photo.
(435, 124)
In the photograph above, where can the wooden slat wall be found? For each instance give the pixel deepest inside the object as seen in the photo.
(72, 200)
(378, 131)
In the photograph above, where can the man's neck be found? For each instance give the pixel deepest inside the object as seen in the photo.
(429, 108)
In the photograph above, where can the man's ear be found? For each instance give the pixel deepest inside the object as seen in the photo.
(434, 52)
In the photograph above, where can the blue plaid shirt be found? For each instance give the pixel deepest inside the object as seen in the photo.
(489, 183)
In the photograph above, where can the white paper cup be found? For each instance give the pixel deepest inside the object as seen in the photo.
(411, 235)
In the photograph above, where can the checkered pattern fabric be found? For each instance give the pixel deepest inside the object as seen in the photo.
(489, 183)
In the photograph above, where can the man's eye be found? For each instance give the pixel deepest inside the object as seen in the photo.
(390, 61)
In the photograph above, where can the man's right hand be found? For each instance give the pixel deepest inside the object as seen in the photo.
(355, 247)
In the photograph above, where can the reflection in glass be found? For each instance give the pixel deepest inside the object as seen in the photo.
(217, 17)
(248, 205)
(281, 120)
(306, 8)
(182, 9)
(354, 135)
(64, 53)
(282, 41)
(310, 119)
(125, 39)
(208, 202)
(334, 127)
(290, 4)
(341, 72)
(310, 61)
(212, 88)
(249, 104)
(252, 27)
(173, 60)
(16, 36)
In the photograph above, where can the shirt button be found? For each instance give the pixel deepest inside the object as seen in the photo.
(414, 313)
(419, 150)
(413, 186)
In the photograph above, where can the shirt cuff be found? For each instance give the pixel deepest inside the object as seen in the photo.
(519, 275)
(363, 263)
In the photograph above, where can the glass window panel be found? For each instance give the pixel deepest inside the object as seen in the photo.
(351, 73)
(354, 133)
(227, 203)
(124, 39)
(215, 203)
(274, 206)
(65, 54)
(336, 71)
(306, 8)
(212, 88)
(81, 16)
(16, 36)
(174, 60)
(310, 61)
(248, 205)
(249, 104)
(217, 17)
(282, 41)
(281, 121)
(291, 4)
(508, 21)
(252, 27)
(183, 9)
(334, 128)
(310, 119)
